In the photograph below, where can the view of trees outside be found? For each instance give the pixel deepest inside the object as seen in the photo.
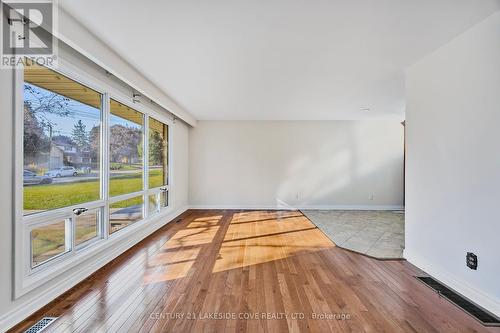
(125, 150)
(158, 153)
(61, 150)
(61, 163)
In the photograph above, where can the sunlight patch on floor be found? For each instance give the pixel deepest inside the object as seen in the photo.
(199, 231)
(251, 238)
(205, 221)
(269, 236)
(191, 237)
(259, 215)
(171, 257)
(168, 272)
(176, 257)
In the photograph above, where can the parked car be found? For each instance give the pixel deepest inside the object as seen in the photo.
(31, 178)
(62, 172)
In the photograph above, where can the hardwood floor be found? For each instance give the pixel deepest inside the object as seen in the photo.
(267, 271)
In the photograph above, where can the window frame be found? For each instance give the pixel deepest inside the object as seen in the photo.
(162, 188)
(26, 277)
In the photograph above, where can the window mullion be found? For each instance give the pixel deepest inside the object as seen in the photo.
(104, 228)
(69, 233)
(145, 154)
(169, 162)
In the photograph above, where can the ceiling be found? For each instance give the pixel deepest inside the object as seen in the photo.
(279, 59)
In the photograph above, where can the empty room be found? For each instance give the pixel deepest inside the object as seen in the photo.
(250, 166)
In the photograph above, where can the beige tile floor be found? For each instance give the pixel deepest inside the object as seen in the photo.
(379, 234)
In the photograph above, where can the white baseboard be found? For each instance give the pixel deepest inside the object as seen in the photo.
(352, 207)
(241, 207)
(485, 301)
(29, 306)
(306, 207)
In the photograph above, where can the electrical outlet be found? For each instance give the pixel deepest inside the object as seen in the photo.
(471, 260)
(370, 197)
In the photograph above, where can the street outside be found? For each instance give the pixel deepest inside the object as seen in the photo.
(94, 175)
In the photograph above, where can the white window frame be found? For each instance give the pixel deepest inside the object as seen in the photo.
(162, 188)
(27, 278)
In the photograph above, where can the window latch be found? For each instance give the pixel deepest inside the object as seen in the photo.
(163, 189)
(79, 211)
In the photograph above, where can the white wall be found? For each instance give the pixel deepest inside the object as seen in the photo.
(12, 311)
(180, 160)
(453, 163)
(304, 164)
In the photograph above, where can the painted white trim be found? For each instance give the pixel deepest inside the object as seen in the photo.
(312, 207)
(485, 301)
(111, 250)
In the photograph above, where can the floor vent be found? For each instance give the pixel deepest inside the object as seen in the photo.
(41, 325)
(475, 311)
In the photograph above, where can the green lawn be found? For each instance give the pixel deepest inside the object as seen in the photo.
(49, 241)
(155, 178)
(122, 166)
(52, 196)
(84, 233)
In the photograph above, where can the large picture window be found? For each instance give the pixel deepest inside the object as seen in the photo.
(62, 135)
(92, 165)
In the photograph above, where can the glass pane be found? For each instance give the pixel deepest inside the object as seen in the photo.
(163, 199)
(86, 226)
(125, 149)
(158, 153)
(124, 213)
(153, 204)
(47, 242)
(62, 133)
(157, 202)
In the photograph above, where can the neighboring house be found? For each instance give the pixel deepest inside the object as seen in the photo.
(68, 154)
(56, 159)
